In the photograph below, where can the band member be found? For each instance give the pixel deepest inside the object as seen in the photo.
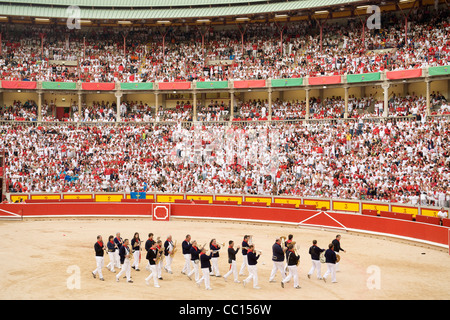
(99, 251)
(118, 241)
(252, 269)
(205, 265)
(337, 248)
(292, 262)
(330, 260)
(149, 242)
(125, 254)
(278, 258)
(245, 246)
(232, 261)
(159, 265)
(152, 254)
(315, 252)
(289, 240)
(186, 247)
(148, 245)
(195, 259)
(136, 250)
(112, 248)
(215, 247)
(168, 253)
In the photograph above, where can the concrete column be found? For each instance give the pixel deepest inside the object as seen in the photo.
(270, 104)
(156, 104)
(231, 105)
(346, 102)
(194, 106)
(80, 102)
(39, 110)
(307, 103)
(118, 102)
(385, 87)
(428, 111)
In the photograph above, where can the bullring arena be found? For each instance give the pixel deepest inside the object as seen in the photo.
(43, 256)
(220, 119)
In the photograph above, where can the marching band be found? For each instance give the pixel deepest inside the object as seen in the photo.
(203, 261)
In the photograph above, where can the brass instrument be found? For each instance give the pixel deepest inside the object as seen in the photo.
(322, 257)
(159, 256)
(174, 249)
(283, 241)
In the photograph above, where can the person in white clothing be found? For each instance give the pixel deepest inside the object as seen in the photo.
(232, 261)
(124, 253)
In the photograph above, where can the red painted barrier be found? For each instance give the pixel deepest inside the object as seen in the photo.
(426, 232)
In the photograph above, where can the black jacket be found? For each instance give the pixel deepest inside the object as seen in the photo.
(151, 255)
(252, 258)
(232, 254)
(205, 261)
(277, 253)
(186, 246)
(98, 249)
(215, 248)
(292, 258)
(122, 253)
(330, 256)
(315, 251)
(195, 253)
(337, 245)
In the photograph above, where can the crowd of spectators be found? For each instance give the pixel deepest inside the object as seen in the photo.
(403, 161)
(178, 54)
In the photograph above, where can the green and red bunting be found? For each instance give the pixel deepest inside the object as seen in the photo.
(292, 82)
(174, 85)
(98, 86)
(404, 74)
(136, 86)
(240, 84)
(324, 80)
(9, 84)
(363, 77)
(439, 71)
(212, 84)
(59, 85)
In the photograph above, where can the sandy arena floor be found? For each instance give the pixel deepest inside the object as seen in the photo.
(39, 256)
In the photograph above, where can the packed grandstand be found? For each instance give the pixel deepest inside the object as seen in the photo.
(370, 144)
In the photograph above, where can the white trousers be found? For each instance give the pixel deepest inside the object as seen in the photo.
(195, 269)
(316, 266)
(253, 275)
(159, 267)
(112, 261)
(293, 273)
(100, 262)
(277, 265)
(126, 268)
(153, 274)
(136, 259)
(116, 253)
(168, 265)
(244, 264)
(215, 266)
(187, 263)
(205, 278)
(233, 270)
(331, 269)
